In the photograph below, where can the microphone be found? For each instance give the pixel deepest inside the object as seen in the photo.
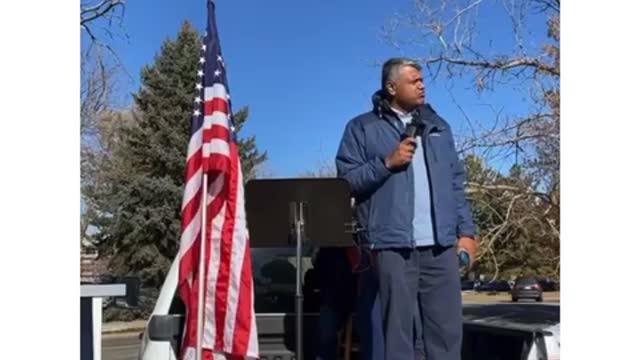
(415, 127)
(463, 258)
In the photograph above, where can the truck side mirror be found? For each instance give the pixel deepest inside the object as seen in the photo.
(165, 327)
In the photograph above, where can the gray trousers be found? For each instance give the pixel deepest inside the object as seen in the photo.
(426, 278)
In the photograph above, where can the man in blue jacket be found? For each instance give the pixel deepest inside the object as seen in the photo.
(410, 200)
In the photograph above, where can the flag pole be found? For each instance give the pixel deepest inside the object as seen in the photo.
(203, 237)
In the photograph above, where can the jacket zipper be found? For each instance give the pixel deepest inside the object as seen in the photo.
(431, 192)
(432, 130)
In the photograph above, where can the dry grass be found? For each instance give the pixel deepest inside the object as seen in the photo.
(484, 297)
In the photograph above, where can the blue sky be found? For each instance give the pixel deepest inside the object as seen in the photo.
(305, 67)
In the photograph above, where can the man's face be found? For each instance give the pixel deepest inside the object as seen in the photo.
(408, 89)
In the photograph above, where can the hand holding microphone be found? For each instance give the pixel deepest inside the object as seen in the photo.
(414, 128)
(402, 154)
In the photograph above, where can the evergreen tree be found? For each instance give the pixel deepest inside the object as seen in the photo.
(250, 156)
(135, 194)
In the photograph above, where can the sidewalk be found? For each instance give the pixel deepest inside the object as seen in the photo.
(115, 327)
(488, 297)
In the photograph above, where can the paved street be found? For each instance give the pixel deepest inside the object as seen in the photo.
(120, 347)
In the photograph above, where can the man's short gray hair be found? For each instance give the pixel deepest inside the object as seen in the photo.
(392, 67)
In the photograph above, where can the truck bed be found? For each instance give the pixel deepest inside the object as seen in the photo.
(502, 331)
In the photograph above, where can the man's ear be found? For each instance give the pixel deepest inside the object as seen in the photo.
(391, 89)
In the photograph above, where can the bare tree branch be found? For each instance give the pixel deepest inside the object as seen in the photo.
(549, 4)
(461, 12)
(106, 10)
(495, 264)
(506, 64)
(502, 227)
(89, 13)
(98, 72)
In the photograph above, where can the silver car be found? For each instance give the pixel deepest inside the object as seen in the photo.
(526, 288)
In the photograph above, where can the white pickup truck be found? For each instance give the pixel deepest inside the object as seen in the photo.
(524, 331)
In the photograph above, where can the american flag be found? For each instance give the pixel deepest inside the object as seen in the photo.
(229, 329)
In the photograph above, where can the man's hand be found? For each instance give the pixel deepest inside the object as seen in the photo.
(402, 154)
(468, 244)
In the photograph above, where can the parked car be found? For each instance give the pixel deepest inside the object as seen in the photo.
(502, 285)
(527, 287)
(466, 285)
(495, 286)
(548, 284)
(478, 283)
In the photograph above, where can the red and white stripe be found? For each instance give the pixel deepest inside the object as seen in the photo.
(229, 319)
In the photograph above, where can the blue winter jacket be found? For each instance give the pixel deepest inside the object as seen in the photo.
(385, 198)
